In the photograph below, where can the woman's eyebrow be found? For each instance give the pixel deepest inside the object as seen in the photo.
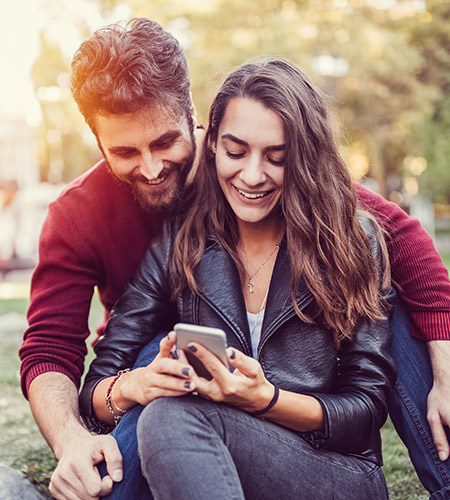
(279, 147)
(231, 137)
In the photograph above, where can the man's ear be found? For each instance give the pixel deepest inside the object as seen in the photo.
(192, 109)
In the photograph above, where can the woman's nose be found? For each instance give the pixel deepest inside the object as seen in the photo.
(253, 172)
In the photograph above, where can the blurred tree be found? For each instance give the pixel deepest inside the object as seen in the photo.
(378, 95)
(385, 69)
(64, 154)
(432, 38)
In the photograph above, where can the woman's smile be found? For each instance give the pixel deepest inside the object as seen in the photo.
(254, 198)
(250, 159)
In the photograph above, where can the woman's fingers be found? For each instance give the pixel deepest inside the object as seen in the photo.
(166, 344)
(167, 382)
(173, 367)
(246, 365)
(211, 362)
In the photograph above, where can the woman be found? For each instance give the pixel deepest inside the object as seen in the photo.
(270, 247)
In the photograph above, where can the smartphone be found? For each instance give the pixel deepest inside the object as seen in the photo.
(212, 339)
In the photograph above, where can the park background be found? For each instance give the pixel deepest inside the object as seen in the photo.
(385, 64)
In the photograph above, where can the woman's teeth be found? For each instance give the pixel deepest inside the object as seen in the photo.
(252, 196)
(158, 180)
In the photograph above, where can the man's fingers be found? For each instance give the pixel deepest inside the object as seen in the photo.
(166, 344)
(439, 436)
(113, 458)
(68, 488)
(87, 474)
(106, 486)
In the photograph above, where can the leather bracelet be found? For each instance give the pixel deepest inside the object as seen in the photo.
(108, 396)
(272, 403)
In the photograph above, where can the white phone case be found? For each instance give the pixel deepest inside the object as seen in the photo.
(212, 339)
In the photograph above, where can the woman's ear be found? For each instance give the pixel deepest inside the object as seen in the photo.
(213, 146)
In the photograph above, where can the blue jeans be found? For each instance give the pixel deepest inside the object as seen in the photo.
(194, 448)
(407, 408)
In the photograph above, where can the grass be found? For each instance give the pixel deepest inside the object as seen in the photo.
(23, 448)
(446, 259)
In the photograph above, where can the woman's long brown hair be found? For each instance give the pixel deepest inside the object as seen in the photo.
(326, 244)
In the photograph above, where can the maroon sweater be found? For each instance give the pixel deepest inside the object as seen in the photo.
(95, 234)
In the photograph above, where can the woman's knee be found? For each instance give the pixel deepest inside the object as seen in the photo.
(169, 418)
(155, 419)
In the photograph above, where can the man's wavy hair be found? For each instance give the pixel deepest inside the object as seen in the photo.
(123, 69)
(326, 244)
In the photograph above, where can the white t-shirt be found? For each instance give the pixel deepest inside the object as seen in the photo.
(255, 321)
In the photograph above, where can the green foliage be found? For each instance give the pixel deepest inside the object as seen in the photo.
(392, 101)
(433, 40)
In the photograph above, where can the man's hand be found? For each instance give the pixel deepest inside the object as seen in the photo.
(439, 398)
(76, 476)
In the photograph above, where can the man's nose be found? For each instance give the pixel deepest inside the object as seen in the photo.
(150, 165)
(253, 172)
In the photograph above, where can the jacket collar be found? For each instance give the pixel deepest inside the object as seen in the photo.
(219, 283)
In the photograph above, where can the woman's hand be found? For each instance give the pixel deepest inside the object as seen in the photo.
(246, 388)
(164, 376)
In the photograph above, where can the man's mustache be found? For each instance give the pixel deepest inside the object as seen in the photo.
(137, 176)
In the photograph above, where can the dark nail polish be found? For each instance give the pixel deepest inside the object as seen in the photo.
(233, 354)
(187, 384)
(192, 348)
(174, 355)
(185, 372)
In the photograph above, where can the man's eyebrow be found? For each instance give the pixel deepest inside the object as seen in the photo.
(165, 139)
(231, 137)
(120, 150)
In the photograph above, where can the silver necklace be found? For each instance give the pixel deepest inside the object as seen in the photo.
(250, 284)
(258, 314)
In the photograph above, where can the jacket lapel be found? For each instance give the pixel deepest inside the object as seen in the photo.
(219, 284)
(279, 302)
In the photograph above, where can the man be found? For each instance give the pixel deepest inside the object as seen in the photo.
(132, 87)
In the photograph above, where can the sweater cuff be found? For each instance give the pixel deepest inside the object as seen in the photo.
(38, 369)
(430, 325)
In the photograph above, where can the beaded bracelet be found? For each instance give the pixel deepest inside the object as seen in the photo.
(269, 406)
(110, 401)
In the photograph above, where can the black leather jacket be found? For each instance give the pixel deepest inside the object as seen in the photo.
(351, 384)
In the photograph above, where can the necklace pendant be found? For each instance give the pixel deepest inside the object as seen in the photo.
(251, 286)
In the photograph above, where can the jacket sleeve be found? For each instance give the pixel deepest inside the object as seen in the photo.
(143, 311)
(416, 267)
(357, 409)
(61, 292)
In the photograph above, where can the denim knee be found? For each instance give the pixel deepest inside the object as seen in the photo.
(169, 418)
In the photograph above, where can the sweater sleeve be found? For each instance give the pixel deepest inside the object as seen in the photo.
(144, 310)
(61, 291)
(417, 270)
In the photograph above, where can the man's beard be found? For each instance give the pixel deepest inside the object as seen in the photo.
(164, 200)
